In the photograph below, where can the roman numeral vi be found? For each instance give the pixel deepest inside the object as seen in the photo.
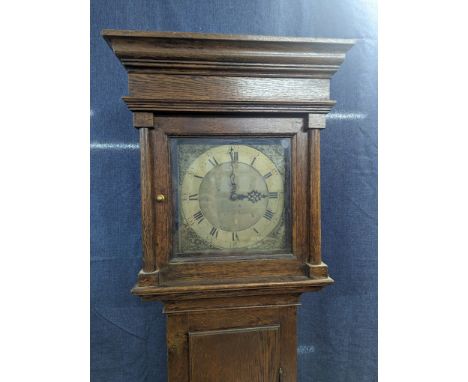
(214, 232)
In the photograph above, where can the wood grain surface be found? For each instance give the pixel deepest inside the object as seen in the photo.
(205, 88)
(204, 54)
(231, 355)
(250, 339)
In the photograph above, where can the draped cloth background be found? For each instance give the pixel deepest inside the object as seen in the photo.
(337, 327)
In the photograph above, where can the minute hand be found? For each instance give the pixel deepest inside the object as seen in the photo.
(233, 178)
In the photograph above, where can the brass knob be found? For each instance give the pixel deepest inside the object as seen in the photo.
(160, 198)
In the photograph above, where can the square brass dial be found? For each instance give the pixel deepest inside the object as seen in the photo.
(232, 195)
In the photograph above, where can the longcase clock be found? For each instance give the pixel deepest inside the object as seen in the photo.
(230, 181)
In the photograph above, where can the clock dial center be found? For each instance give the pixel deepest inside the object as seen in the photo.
(233, 211)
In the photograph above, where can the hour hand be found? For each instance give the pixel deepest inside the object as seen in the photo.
(235, 196)
(253, 196)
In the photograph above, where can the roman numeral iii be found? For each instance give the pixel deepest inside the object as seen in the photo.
(268, 215)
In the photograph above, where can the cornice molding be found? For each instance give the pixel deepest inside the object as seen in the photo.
(148, 104)
(233, 55)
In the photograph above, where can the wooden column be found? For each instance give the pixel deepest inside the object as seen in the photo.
(317, 268)
(145, 123)
(314, 200)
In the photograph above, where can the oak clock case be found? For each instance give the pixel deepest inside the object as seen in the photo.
(230, 187)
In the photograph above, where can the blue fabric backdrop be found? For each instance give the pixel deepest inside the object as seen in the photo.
(337, 327)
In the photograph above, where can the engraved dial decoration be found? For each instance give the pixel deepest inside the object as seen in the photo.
(232, 196)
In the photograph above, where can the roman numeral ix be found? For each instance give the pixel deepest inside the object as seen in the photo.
(198, 217)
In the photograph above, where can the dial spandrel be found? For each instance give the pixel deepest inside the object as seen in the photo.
(232, 196)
